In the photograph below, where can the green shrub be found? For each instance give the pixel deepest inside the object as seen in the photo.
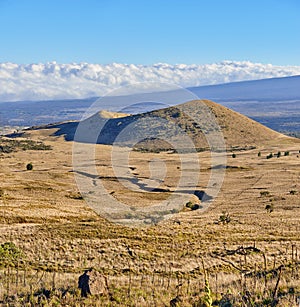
(192, 206)
(233, 155)
(29, 166)
(286, 153)
(189, 204)
(269, 156)
(278, 154)
(269, 208)
(259, 154)
(224, 218)
(9, 254)
(264, 193)
(176, 114)
(11, 145)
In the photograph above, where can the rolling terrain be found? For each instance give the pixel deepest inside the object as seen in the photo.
(243, 250)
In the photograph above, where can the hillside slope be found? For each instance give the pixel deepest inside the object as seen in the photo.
(157, 130)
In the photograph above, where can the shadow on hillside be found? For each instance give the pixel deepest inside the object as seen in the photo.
(89, 131)
(67, 130)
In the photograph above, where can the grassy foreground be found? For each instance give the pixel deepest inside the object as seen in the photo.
(147, 267)
(243, 251)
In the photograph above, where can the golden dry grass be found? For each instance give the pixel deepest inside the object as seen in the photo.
(59, 234)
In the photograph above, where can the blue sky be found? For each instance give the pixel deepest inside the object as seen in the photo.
(152, 31)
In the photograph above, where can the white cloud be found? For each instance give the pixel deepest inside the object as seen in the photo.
(81, 80)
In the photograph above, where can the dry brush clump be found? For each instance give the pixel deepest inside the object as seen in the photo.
(8, 145)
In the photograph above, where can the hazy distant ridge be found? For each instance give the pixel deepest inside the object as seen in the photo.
(275, 89)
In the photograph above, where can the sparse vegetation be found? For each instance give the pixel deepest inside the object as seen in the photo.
(264, 193)
(192, 206)
(269, 208)
(233, 155)
(176, 114)
(224, 218)
(29, 166)
(10, 145)
(269, 156)
(9, 254)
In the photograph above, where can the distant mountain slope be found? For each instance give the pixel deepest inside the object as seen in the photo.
(238, 130)
(274, 89)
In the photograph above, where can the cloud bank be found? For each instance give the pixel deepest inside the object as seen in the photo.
(82, 80)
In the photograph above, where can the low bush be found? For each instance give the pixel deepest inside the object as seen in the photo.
(269, 156)
(269, 208)
(29, 166)
(224, 218)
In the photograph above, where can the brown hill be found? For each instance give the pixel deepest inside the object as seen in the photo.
(200, 121)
